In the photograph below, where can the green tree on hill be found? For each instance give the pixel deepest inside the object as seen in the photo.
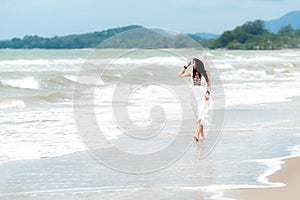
(241, 35)
(253, 35)
(287, 30)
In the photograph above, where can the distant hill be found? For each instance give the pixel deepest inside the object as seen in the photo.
(205, 35)
(120, 37)
(87, 40)
(292, 18)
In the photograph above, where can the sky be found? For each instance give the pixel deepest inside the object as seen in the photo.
(48, 18)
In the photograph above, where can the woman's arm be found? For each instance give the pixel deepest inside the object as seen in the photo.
(183, 73)
(209, 82)
(208, 86)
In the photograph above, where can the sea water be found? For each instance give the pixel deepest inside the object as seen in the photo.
(41, 152)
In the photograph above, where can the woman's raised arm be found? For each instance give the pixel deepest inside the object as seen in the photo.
(183, 73)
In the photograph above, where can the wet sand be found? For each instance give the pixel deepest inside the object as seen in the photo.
(289, 174)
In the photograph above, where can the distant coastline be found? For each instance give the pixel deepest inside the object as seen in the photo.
(249, 36)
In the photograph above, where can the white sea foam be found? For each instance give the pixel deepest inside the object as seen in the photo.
(23, 83)
(21, 63)
(224, 66)
(37, 134)
(155, 60)
(111, 133)
(272, 164)
(140, 102)
(250, 59)
(295, 150)
(41, 62)
(258, 93)
(172, 60)
(42, 133)
(88, 80)
(70, 78)
(24, 148)
(245, 93)
(11, 104)
(289, 54)
(217, 190)
(275, 164)
(41, 65)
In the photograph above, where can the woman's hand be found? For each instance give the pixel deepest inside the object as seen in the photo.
(206, 97)
(188, 64)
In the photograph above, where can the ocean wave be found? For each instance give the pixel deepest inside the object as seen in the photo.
(258, 59)
(251, 93)
(22, 83)
(41, 62)
(52, 97)
(250, 74)
(224, 66)
(170, 60)
(64, 64)
(289, 54)
(274, 165)
(9, 104)
(57, 137)
(86, 80)
(21, 63)
(38, 133)
(49, 82)
(243, 74)
(37, 150)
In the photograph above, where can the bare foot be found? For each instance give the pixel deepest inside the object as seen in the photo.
(196, 138)
(202, 137)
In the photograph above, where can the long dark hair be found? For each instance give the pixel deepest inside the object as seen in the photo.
(200, 68)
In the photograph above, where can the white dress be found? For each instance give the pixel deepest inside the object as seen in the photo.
(199, 104)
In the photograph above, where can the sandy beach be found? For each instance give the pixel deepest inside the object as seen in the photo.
(289, 174)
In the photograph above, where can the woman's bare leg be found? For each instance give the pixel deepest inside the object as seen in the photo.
(202, 132)
(198, 131)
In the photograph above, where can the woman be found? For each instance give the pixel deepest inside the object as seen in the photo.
(201, 88)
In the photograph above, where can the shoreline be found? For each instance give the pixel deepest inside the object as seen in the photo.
(286, 178)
